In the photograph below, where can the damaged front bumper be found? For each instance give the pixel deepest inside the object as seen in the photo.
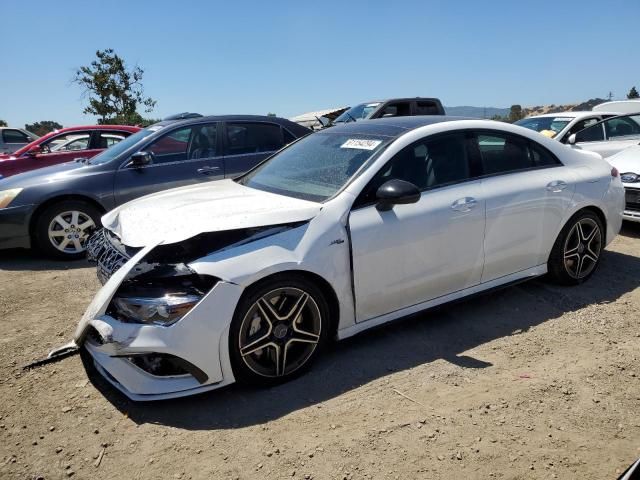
(154, 362)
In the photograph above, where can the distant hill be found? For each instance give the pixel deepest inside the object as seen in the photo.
(489, 112)
(569, 107)
(476, 112)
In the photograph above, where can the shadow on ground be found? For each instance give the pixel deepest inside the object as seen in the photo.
(442, 334)
(31, 260)
(630, 229)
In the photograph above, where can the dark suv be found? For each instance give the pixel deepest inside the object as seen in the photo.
(395, 107)
(56, 208)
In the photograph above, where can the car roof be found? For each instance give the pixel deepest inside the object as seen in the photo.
(391, 126)
(225, 118)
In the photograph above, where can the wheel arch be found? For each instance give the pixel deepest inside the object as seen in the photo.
(325, 287)
(595, 210)
(61, 198)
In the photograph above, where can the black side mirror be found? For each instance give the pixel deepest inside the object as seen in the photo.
(140, 159)
(396, 192)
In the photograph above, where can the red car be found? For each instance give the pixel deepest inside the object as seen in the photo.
(62, 146)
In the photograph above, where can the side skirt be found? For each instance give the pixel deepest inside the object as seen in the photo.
(465, 294)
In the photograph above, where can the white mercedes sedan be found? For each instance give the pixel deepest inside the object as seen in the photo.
(346, 229)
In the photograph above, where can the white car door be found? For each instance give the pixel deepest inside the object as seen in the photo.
(416, 252)
(527, 191)
(610, 136)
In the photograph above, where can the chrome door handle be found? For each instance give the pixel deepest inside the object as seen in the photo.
(208, 170)
(464, 204)
(556, 186)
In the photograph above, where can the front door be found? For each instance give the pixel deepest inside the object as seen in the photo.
(182, 156)
(417, 252)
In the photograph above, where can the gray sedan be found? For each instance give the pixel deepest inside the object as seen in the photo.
(57, 208)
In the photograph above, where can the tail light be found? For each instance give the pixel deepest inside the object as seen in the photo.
(614, 172)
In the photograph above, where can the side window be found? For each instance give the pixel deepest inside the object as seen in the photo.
(428, 163)
(593, 133)
(172, 147)
(397, 109)
(424, 107)
(68, 142)
(502, 153)
(245, 138)
(622, 126)
(188, 143)
(14, 136)
(204, 141)
(108, 139)
(287, 136)
(542, 157)
(581, 125)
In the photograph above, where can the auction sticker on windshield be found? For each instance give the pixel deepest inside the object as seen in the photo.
(361, 144)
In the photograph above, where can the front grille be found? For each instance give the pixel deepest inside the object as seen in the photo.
(632, 199)
(105, 249)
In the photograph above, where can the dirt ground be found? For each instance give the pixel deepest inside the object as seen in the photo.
(535, 381)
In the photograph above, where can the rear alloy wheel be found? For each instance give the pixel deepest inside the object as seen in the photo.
(576, 253)
(277, 331)
(62, 230)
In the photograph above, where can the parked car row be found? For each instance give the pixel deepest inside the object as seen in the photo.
(56, 208)
(62, 146)
(613, 136)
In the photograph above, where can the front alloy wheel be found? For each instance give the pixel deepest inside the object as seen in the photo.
(277, 331)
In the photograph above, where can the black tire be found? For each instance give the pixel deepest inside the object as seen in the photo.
(571, 261)
(44, 220)
(259, 367)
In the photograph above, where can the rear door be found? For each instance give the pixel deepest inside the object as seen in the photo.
(248, 143)
(183, 156)
(527, 191)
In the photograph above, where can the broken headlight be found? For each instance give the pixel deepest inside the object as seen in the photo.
(164, 310)
(161, 295)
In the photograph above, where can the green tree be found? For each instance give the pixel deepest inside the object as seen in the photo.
(515, 113)
(499, 118)
(633, 93)
(271, 114)
(115, 91)
(43, 127)
(3, 123)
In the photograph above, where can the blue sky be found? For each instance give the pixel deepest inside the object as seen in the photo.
(289, 57)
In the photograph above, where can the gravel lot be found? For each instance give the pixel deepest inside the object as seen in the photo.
(535, 381)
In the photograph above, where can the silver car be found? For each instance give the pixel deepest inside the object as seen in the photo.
(11, 139)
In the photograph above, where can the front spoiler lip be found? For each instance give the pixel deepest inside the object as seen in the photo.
(137, 397)
(177, 386)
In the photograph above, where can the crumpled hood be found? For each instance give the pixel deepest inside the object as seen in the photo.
(180, 213)
(628, 160)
